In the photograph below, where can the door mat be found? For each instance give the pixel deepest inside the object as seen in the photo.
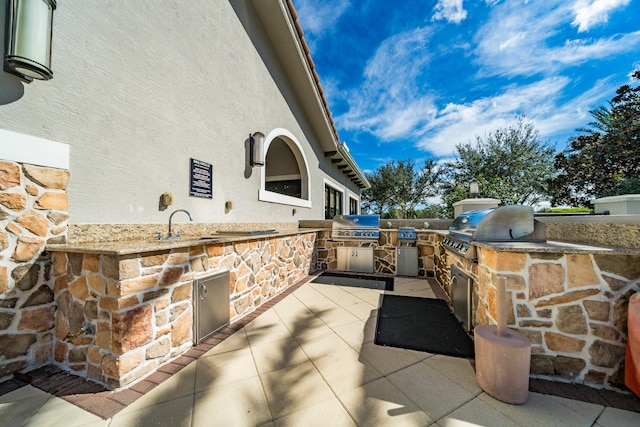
(422, 324)
(355, 280)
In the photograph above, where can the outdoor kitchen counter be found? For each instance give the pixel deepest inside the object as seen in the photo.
(128, 247)
(553, 247)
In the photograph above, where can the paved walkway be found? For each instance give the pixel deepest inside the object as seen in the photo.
(310, 360)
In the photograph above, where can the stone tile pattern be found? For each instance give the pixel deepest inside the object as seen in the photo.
(384, 251)
(33, 212)
(142, 307)
(572, 306)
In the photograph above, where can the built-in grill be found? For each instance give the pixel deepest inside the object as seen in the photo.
(355, 227)
(501, 224)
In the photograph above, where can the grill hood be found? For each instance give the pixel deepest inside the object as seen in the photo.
(504, 223)
(355, 227)
(501, 224)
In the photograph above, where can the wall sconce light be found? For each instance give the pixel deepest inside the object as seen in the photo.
(474, 189)
(29, 31)
(256, 148)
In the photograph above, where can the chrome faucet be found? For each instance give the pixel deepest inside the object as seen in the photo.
(170, 234)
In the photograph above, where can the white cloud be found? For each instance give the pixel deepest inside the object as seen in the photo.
(508, 45)
(450, 11)
(589, 13)
(319, 18)
(384, 105)
(540, 102)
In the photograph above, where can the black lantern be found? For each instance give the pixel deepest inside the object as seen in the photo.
(29, 31)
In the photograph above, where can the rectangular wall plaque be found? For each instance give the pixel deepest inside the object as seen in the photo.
(201, 179)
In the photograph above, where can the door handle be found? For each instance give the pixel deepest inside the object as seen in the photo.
(203, 296)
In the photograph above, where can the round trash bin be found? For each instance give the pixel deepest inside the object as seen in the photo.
(502, 363)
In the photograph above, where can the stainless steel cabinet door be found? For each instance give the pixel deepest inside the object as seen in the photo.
(211, 305)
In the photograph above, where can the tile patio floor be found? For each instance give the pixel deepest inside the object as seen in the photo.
(310, 360)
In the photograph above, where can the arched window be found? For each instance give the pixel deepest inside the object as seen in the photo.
(285, 175)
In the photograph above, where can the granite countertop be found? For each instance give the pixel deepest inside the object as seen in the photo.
(554, 247)
(128, 247)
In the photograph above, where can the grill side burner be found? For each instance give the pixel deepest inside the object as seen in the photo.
(502, 224)
(355, 227)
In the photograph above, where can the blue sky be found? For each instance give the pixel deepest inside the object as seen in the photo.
(410, 79)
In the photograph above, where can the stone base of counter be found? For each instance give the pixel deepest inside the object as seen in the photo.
(572, 306)
(141, 304)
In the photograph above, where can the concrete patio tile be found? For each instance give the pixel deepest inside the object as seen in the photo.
(271, 356)
(478, 413)
(321, 344)
(356, 333)
(412, 287)
(389, 359)
(294, 388)
(342, 297)
(328, 413)
(175, 412)
(313, 299)
(335, 293)
(456, 369)
(542, 409)
(612, 417)
(266, 333)
(306, 328)
(241, 403)
(344, 370)
(380, 403)
(20, 405)
(224, 368)
(234, 342)
(291, 306)
(362, 310)
(59, 412)
(370, 296)
(433, 392)
(179, 385)
(336, 316)
(267, 318)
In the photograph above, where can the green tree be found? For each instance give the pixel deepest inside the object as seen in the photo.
(605, 159)
(511, 164)
(398, 188)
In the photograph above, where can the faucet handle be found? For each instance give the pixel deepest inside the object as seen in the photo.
(158, 235)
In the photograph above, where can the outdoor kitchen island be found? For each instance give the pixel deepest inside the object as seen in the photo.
(138, 295)
(569, 299)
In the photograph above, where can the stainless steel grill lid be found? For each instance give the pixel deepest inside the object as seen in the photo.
(501, 224)
(356, 227)
(496, 224)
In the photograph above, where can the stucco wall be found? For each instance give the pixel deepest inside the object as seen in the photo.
(141, 87)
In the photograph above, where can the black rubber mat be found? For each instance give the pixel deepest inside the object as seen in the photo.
(422, 324)
(355, 280)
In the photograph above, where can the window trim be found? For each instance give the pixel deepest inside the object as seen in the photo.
(303, 165)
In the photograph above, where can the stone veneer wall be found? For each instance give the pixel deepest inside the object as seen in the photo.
(572, 306)
(33, 212)
(142, 304)
(384, 251)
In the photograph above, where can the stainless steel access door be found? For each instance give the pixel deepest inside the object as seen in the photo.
(211, 305)
(461, 286)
